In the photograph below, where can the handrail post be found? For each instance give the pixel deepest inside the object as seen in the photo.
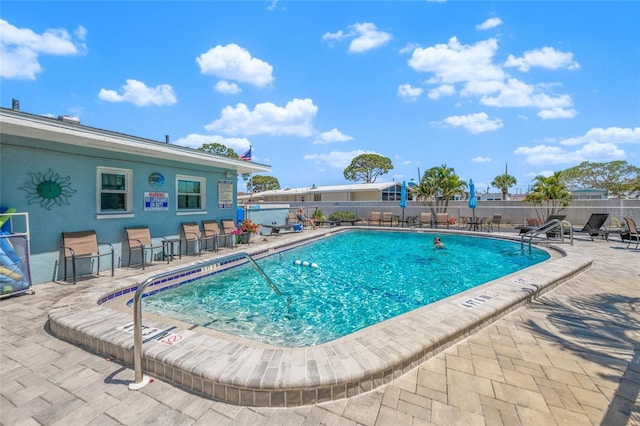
(140, 379)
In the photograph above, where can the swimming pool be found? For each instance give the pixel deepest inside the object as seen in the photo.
(363, 277)
(246, 372)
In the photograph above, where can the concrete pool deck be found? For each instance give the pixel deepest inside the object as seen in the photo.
(570, 355)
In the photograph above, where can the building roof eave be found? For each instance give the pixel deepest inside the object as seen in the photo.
(49, 129)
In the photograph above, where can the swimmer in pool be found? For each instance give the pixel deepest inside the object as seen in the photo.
(437, 243)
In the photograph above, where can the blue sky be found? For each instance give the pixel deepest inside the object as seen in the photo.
(540, 86)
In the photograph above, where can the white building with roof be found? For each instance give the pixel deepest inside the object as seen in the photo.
(384, 191)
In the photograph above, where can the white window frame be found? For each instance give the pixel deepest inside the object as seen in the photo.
(203, 193)
(128, 192)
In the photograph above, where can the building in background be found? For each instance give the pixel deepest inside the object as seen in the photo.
(386, 191)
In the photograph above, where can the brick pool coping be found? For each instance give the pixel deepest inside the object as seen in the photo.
(242, 372)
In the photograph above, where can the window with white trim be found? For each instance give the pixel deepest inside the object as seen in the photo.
(114, 190)
(191, 192)
(391, 193)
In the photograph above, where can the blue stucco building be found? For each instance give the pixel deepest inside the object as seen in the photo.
(72, 177)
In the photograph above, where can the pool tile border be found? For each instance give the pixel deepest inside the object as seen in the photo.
(239, 372)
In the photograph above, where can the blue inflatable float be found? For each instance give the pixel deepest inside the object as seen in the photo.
(14, 272)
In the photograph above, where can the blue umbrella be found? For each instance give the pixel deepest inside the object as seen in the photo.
(403, 199)
(472, 197)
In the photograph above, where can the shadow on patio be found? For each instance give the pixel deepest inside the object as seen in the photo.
(604, 329)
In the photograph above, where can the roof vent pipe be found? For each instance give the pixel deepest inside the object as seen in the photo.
(166, 139)
(69, 119)
(15, 104)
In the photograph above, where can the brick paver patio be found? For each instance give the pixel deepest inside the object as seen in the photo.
(571, 357)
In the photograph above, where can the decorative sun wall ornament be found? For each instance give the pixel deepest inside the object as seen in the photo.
(48, 189)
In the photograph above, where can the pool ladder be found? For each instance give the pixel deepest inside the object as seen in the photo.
(140, 379)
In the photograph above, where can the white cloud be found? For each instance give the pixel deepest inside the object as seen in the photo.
(444, 90)
(81, 34)
(232, 62)
(409, 93)
(368, 37)
(547, 57)
(597, 145)
(516, 93)
(550, 114)
(20, 49)
(482, 87)
(592, 151)
(489, 23)
(455, 62)
(195, 141)
(409, 47)
(473, 67)
(474, 123)
(336, 159)
(267, 118)
(611, 134)
(481, 159)
(365, 36)
(545, 173)
(597, 151)
(139, 94)
(227, 88)
(332, 136)
(337, 36)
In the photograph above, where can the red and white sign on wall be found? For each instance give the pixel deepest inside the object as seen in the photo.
(156, 201)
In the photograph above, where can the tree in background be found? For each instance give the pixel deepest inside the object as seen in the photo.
(503, 182)
(260, 183)
(218, 149)
(635, 185)
(439, 185)
(367, 168)
(549, 195)
(618, 177)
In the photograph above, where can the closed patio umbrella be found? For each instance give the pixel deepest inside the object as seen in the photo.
(403, 199)
(472, 198)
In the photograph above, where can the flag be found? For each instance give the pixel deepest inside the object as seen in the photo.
(246, 156)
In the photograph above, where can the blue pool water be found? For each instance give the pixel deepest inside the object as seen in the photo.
(363, 277)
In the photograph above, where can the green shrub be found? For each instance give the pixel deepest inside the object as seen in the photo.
(318, 215)
(342, 215)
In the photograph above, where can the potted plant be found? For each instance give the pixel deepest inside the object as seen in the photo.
(247, 227)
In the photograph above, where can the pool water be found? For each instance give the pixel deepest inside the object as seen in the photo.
(362, 277)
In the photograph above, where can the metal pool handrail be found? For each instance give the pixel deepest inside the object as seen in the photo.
(548, 227)
(140, 379)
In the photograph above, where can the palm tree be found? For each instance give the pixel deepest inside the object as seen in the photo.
(438, 186)
(504, 181)
(549, 193)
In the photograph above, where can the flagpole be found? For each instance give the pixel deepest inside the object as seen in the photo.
(250, 155)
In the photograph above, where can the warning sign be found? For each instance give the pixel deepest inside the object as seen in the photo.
(153, 333)
(156, 201)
